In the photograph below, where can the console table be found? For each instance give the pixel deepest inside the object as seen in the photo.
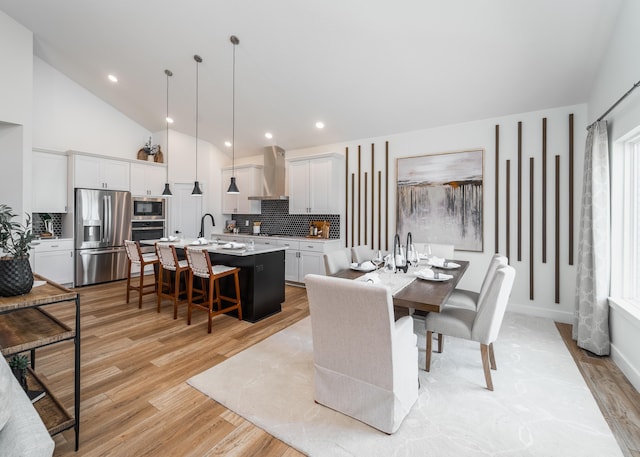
(26, 326)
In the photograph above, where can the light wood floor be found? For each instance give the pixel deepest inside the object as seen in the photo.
(135, 363)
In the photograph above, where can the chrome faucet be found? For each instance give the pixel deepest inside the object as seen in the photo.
(213, 224)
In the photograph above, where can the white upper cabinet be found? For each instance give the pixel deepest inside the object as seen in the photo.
(49, 182)
(315, 184)
(147, 179)
(248, 180)
(99, 173)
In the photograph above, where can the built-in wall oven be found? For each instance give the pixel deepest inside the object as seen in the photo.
(147, 230)
(148, 208)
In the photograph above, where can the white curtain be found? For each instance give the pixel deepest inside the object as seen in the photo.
(591, 324)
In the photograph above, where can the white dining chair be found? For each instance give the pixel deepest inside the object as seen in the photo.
(481, 326)
(464, 298)
(365, 362)
(339, 259)
(362, 253)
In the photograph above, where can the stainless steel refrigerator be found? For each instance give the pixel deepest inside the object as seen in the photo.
(102, 223)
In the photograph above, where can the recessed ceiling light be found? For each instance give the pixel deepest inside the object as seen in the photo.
(113, 78)
(227, 144)
(169, 120)
(268, 135)
(320, 125)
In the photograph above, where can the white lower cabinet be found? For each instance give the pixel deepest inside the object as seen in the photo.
(305, 257)
(53, 259)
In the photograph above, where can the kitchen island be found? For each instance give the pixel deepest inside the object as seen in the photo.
(261, 274)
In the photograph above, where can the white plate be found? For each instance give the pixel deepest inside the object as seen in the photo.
(197, 243)
(164, 239)
(441, 277)
(365, 269)
(450, 266)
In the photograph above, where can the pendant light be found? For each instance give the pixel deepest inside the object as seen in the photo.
(196, 185)
(167, 192)
(233, 188)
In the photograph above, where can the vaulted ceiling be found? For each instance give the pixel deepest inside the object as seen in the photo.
(365, 68)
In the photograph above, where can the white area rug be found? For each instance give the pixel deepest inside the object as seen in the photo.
(540, 407)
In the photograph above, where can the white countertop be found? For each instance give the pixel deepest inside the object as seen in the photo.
(213, 246)
(275, 237)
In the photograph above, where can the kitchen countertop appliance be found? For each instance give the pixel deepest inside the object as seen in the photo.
(102, 223)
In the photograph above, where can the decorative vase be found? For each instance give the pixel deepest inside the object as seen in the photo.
(21, 376)
(16, 277)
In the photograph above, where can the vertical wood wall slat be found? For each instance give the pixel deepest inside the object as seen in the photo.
(379, 209)
(366, 206)
(373, 193)
(508, 210)
(544, 190)
(346, 198)
(497, 190)
(571, 189)
(531, 235)
(353, 206)
(557, 241)
(386, 230)
(519, 229)
(359, 191)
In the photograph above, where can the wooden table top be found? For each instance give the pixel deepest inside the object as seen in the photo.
(421, 294)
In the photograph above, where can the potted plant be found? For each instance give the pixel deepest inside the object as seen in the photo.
(19, 364)
(16, 277)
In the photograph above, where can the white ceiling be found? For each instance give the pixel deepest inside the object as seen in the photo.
(365, 67)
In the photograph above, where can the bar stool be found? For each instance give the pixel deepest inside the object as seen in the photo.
(200, 266)
(136, 257)
(169, 263)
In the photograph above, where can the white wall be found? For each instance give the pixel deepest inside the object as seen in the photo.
(16, 50)
(620, 70)
(481, 134)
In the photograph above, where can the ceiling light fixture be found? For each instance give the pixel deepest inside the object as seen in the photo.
(233, 188)
(320, 125)
(227, 144)
(196, 185)
(268, 135)
(167, 191)
(113, 78)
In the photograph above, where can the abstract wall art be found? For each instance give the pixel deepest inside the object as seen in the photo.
(440, 198)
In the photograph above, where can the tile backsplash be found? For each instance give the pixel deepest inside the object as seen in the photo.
(38, 223)
(275, 219)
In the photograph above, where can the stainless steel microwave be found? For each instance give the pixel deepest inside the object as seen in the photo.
(148, 208)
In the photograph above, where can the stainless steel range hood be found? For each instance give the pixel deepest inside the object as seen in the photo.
(274, 178)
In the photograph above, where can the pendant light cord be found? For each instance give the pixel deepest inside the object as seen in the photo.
(168, 73)
(198, 60)
(233, 112)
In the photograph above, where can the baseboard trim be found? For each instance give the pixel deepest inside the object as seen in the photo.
(631, 372)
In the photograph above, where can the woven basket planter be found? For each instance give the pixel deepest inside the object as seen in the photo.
(16, 277)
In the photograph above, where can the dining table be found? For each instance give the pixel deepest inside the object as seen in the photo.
(419, 294)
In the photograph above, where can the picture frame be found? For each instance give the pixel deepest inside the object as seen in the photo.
(440, 198)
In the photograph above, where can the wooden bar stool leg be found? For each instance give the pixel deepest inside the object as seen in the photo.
(141, 285)
(176, 293)
(128, 279)
(214, 295)
(159, 285)
(237, 281)
(189, 296)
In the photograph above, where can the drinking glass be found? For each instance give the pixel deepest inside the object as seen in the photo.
(378, 260)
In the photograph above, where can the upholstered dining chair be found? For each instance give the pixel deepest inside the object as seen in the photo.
(366, 364)
(200, 267)
(339, 259)
(171, 266)
(469, 299)
(136, 257)
(481, 326)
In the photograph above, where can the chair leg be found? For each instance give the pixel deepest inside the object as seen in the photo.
(440, 343)
(159, 286)
(141, 286)
(492, 357)
(128, 279)
(428, 354)
(484, 352)
(176, 293)
(189, 297)
(214, 290)
(237, 281)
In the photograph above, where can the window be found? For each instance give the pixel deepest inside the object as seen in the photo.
(629, 217)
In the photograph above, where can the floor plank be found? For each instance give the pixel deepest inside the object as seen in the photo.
(135, 364)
